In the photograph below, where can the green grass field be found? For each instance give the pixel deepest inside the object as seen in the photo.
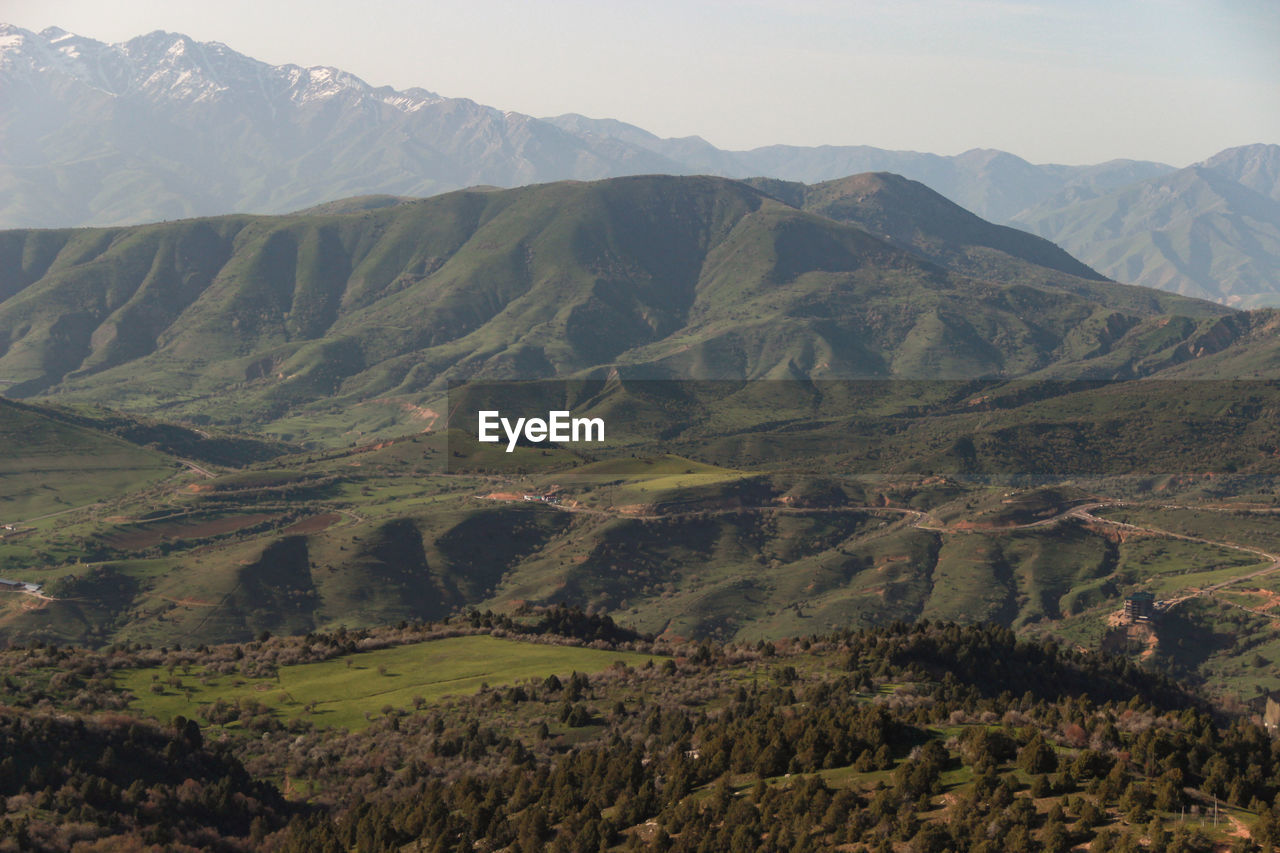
(48, 466)
(646, 480)
(1258, 529)
(1170, 566)
(342, 691)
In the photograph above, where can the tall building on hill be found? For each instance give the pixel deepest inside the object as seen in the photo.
(1139, 606)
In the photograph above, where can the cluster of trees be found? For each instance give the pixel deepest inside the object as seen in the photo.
(931, 737)
(565, 621)
(74, 779)
(247, 713)
(739, 769)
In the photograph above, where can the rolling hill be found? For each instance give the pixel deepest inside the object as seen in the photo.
(911, 215)
(164, 127)
(249, 321)
(51, 464)
(917, 377)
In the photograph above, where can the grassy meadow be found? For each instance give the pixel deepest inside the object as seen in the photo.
(346, 692)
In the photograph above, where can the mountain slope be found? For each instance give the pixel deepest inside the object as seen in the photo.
(993, 184)
(913, 216)
(50, 464)
(162, 127)
(1254, 166)
(249, 319)
(1198, 231)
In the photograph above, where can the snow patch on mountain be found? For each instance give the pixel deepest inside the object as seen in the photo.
(174, 67)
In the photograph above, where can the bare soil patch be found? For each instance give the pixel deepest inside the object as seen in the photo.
(314, 524)
(144, 535)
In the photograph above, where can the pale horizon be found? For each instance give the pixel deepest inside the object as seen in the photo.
(1173, 81)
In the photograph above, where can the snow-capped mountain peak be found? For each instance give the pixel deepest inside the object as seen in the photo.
(176, 68)
(163, 125)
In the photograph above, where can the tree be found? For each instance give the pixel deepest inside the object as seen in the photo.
(932, 838)
(1037, 756)
(1054, 838)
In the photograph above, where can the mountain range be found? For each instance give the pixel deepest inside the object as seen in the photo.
(165, 127)
(729, 508)
(162, 127)
(250, 426)
(1211, 230)
(316, 317)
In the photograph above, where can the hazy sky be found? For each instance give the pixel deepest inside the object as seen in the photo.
(1076, 81)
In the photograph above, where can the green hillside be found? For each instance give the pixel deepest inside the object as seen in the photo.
(347, 693)
(1196, 232)
(333, 326)
(815, 534)
(909, 214)
(50, 465)
(914, 441)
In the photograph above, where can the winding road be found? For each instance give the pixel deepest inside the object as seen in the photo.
(1084, 513)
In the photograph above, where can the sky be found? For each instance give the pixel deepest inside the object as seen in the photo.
(1067, 81)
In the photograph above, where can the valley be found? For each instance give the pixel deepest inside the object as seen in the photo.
(853, 437)
(684, 550)
(828, 406)
(382, 470)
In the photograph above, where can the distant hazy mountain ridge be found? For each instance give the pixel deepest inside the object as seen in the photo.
(994, 184)
(162, 126)
(1211, 230)
(165, 127)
